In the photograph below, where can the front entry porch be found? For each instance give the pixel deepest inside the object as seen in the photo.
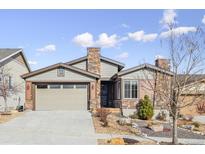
(107, 94)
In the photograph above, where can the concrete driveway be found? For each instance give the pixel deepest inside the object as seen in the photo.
(49, 127)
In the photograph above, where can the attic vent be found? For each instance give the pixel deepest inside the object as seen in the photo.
(60, 72)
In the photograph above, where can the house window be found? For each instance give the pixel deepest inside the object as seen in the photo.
(130, 89)
(42, 86)
(80, 86)
(61, 72)
(55, 86)
(68, 86)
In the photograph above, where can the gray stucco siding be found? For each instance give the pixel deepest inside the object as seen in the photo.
(108, 70)
(15, 70)
(69, 76)
(139, 74)
(81, 65)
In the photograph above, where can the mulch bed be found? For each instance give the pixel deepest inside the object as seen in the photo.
(113, 127)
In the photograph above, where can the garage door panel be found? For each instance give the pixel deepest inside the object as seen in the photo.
(61, 99)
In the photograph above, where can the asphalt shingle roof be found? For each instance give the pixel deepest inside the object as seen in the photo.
(5, 52)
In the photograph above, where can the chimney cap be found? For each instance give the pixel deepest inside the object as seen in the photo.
(93, 48)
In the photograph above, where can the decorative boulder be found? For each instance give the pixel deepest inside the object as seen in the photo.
(135, 125)
(125, 121)
(189, 127)
(188, 117)
(163, 115)
(117, 141)
(157, 128)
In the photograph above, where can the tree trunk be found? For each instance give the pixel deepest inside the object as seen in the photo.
(174, 131)
(6, 106)
(121, 110)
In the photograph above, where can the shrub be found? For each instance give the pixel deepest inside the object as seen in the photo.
(103, 113)
(145, 110)
(196, 124)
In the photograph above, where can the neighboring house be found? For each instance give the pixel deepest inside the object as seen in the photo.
(14, 62)
(91, 82)
(194, 93)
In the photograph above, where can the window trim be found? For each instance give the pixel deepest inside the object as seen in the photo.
(130, 82)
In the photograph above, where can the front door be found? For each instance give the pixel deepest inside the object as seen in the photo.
(104, 95)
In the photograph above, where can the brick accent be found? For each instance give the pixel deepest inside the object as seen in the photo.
(162, 81)
(28, 90)
(29, 96)
(163, 63)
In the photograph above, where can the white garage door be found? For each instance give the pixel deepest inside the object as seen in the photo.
(61, 97)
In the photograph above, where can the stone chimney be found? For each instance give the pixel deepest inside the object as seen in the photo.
(93, 63)
(163, 63)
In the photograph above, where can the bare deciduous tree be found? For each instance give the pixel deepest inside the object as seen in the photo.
(182, 88)
(7, 88)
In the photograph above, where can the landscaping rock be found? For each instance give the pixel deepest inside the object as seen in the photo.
(135, 131)
(163, 115)
(157, 128)
(125, 121)
(189, 127)
(188, 117)
(135, 125)
(128, 121)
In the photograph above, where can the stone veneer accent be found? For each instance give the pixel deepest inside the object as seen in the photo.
(93, 66)
(93, 63)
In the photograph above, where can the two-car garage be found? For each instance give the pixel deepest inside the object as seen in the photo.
(57, 96)
(59, 87)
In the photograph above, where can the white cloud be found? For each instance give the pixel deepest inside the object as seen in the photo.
(141, 36)
(123, 55)
(84, 39)
(169, 17)
(47, 48)
(178, 31)
(106, 41)
(203, 20)
(125, 26)
(31, 62)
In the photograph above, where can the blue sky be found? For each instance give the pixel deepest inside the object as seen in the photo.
(52, 36)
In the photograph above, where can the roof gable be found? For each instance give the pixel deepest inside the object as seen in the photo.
(143, 66)
(59, 65)
(114, 62)
(6, 53)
